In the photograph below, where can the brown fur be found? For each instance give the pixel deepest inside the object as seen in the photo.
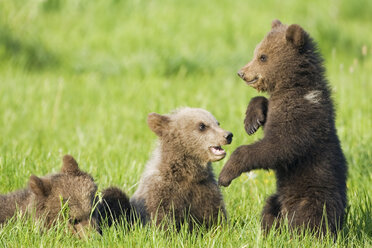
(300, 142)
(178, 183)
(114, 207)
(42, 198)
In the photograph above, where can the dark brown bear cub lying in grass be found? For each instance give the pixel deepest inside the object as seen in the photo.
(300, 142)
(42, 198)
(178, 184)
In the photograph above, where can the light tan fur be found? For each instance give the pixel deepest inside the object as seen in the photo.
(178, 182)
(313, 96)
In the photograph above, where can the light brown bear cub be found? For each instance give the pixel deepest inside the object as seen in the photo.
(42, 198)
(178, 183)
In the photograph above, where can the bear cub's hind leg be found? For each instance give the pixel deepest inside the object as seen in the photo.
(256, 113)
(270, 213)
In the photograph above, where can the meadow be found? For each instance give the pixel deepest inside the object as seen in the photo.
(80, 77)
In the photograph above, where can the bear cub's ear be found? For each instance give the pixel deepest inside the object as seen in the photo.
(39, 186)
(296, 35)
(275, 23)
(158, 123)
(70, 166)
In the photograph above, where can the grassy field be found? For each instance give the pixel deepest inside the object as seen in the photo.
(80, 77)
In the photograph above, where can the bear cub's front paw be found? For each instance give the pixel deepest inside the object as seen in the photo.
(225, 177)
(256, 113)
(231, 170)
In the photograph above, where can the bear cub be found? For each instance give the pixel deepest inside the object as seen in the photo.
(300, 141)
(178, 185)
(42, 198)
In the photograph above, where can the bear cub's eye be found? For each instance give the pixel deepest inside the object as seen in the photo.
(263, 58)
(202, 126)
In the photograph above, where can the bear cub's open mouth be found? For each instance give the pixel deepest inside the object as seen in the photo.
(217, 150)
(251, 81)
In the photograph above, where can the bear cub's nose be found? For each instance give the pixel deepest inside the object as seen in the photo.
(228, 136)
(241, 74)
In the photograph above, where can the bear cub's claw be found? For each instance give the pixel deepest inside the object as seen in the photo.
(256, 113)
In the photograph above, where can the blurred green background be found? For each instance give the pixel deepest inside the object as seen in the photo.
(80, 77)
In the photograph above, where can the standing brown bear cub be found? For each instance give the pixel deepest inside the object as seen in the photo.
(300, 142)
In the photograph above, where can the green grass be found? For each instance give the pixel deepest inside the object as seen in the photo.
(80, 77)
